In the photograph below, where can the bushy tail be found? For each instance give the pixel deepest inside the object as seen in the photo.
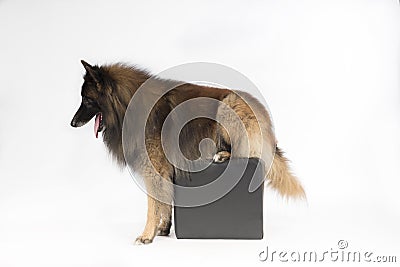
(281, 179)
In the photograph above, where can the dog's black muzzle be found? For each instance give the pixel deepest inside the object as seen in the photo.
(83, 115)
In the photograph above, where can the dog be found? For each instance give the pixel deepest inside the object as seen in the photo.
(107, 92)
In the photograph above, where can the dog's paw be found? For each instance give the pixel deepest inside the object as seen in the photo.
(221, 156)
(163, 232)
(164, 228)
(142, 240)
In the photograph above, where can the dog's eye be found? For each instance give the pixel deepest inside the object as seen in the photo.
(87, 101)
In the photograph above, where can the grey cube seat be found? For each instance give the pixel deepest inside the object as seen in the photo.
(236, 215)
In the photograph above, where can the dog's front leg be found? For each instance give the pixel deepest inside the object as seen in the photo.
(165, 225)
(153, 220)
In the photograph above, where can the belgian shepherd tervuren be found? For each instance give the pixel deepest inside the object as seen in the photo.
(106, 94)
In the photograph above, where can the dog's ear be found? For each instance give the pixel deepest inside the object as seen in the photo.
(92, 71)
(86, 65)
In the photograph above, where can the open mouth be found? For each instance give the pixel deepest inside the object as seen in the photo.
(98, 124)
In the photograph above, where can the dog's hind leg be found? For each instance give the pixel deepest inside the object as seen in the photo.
(245, 127)
(258, 140)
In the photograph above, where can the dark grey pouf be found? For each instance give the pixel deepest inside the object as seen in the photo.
(237, 215)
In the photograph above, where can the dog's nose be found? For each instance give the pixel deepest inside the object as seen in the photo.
(73, 123)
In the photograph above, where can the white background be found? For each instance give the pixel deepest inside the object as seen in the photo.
(329, 71)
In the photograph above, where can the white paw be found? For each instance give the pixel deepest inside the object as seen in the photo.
(217, 158)
(221, 156)
(142, 241)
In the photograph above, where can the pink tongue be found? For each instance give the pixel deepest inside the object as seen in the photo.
(97, 125)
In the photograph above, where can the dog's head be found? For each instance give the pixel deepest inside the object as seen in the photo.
(95, 90)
